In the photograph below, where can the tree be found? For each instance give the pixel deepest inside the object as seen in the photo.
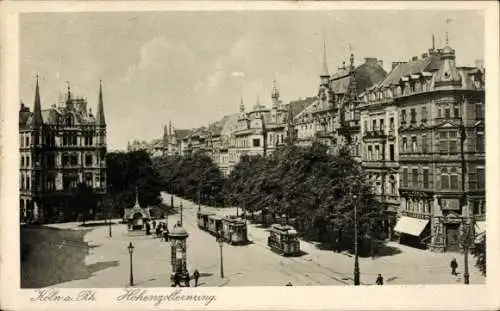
(84, 200)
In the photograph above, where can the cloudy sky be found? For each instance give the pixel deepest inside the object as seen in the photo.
(193, 67)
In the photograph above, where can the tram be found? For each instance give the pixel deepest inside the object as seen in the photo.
(214, 225)
(234, 230)
(283, 240)
(203, 219)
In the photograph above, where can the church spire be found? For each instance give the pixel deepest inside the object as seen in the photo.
(37, 109)
(170, 128)
(242, 106)
(100, 120)
(275, 95)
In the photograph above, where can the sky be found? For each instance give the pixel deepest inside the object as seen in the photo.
(194, 67)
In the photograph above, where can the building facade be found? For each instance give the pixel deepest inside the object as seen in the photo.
(423, 142)
(60, 147)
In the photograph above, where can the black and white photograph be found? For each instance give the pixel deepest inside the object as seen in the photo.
(196, 149)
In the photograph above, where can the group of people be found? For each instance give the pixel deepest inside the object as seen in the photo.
(161, 230)
(177, 278)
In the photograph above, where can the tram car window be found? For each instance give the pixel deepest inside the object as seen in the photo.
(203, 221)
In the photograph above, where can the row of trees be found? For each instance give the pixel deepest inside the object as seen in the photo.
(304, 186)
(194, 178)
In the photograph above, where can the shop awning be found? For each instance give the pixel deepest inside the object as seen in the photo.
(480, 230)
(411, 226)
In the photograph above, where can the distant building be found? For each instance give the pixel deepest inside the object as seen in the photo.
(423, 143)
(333, 118)
(59, 147)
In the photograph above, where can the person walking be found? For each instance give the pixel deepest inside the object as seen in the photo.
(196, 275)
(154, 224)
(380, 280)
(454, 266)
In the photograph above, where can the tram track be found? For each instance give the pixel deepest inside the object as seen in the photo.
(322, 270)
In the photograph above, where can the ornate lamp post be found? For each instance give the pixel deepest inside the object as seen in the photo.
(131, 251)
(356, 257)
(467, 232)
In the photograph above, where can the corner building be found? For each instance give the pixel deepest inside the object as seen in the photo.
(59, 147)
(423, 137)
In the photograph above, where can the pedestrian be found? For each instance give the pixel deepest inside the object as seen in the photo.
(196, 275)
(154, 224)
(187, 280)
(454, 266)
(177, 279)
(148, 228)
(165, 234)
(380, 280)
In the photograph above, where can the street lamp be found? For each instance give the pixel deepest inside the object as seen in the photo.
(356, 258)
(220, 239)
(131, 251)
(466, 250)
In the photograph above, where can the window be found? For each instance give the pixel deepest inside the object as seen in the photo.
(74, 160)
(423, 111)
(88, 179)
(23, 181)
(370, 155)
(445, 179)
(374, 125)
(69, 121)
(88, 140)
(403, 116)
(456, 111)
(366, 126)
(405, 144)
(405, 177)
(51, 183)
(480, 177)
(414, 178)
(479, 141)
(454, 179)
(28, 161)
(382, 125)
(424, 143)
(27, 141)
(426, 178)
(472, 178)
(447, 112)
(88, 160)
(391, 123)
(256, 142)
(22, 161)
(448, 142)
(377, 152)
(479, 111)
(440, 114)
(413, 115)
(414, 144)
(391, 152)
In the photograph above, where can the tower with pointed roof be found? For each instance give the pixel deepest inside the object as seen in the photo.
(61, 147)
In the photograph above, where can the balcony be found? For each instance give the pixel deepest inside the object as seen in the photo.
(379, 134)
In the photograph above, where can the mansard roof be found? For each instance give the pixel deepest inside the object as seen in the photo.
(367, 74)
(428, 64)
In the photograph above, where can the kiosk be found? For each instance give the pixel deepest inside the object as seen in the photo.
(178, 237)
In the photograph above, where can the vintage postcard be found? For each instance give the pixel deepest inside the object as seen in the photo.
(249, 155)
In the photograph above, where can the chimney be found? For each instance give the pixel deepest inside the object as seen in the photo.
(381, 63)
(414, 58)
(424, 55)
(479, 63)
(370, 60)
